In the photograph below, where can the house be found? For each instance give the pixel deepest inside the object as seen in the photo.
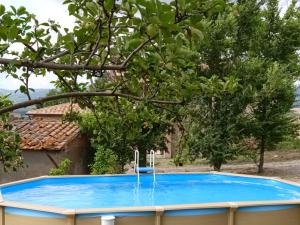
(46, 140)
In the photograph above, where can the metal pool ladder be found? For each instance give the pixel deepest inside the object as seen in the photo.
(147, 169)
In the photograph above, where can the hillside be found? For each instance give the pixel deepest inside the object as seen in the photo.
(19, 97)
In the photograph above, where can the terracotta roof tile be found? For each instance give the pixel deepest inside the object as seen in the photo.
(56, 110)
(45, 135)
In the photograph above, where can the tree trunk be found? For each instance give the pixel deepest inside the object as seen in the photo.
(217, 166)
(261, 156)
(143, 158)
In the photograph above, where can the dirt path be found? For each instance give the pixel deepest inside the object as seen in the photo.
(289, 170)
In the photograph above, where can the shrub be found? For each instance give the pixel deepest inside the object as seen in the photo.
(62, 169)
(105, 161)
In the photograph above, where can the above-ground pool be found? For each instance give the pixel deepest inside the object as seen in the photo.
(170, 199)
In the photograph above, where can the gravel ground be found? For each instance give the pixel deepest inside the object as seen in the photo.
(289, 170)
(282, 164)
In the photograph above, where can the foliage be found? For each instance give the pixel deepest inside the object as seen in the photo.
(105, 161)
(120, 126)
(216, 108)
(269, 120)
(289, 143)
(105, 33)
(230, 63)
(62, 169)
(10, 154)
(210, 134)
(243, 44)
(178, 160)
(272, 89)
(147, 44)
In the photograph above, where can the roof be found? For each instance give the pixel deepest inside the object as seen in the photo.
(56, 110)
(45, 135)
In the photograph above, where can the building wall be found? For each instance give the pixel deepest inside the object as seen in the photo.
(38, 163)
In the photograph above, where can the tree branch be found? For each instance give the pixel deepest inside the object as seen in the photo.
(57, 66)
(60, 54)
(29, 47)
(109, 37)
(135, 51)
(82, 94)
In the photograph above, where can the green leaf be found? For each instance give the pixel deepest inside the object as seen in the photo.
(93, 7)
(13, 9)
(2, 9)
(196, 33)
(152, 30)
(132, 44)
(109, 4)
(3, 47)
(12, 32)
(21, 11)
(22, 89)
(72, 9)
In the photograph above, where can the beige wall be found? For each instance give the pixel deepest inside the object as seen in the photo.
(37, 163)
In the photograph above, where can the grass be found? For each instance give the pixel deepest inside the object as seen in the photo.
(289, 144)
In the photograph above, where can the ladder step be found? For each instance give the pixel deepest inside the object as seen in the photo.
(144, 170)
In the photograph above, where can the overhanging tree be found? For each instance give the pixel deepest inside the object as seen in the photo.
(107, 36)
(109, 39)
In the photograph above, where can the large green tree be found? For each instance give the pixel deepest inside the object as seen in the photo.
(217, 106)
(250, 43)
(273, 59)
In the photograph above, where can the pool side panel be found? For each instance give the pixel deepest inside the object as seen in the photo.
(12, 219)
(279, 215)
(195, 212)
(215, 219)
(289, 216)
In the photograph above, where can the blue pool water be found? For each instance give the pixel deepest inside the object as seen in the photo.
(169, 189)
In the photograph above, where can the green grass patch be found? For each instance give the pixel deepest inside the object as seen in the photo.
(289, 143)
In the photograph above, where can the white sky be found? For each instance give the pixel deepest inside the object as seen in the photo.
(45, 9)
